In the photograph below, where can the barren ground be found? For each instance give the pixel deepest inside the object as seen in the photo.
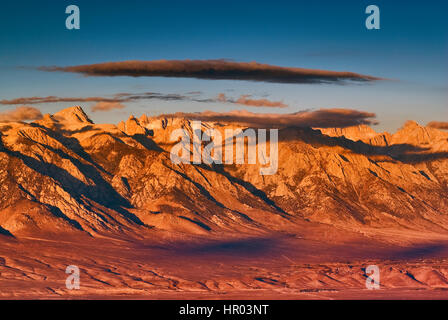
(317, 263)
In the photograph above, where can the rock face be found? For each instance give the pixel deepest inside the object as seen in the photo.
(73, 114)
(64, 173)
(132, 127)
(360, 133)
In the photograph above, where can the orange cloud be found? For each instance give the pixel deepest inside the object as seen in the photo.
(323, 118)
(22, 113)
(213, 70)
(244, 100)
(260, 102)
(106, 106)
(438, 125)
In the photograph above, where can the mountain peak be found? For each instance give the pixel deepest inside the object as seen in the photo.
(360, 132)
(414, 134)
(144, 120)
(132, 126)
(72, 114)
(411, 124)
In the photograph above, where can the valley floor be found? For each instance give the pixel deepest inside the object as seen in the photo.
(268, 266)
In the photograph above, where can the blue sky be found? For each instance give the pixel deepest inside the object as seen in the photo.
(411, 47)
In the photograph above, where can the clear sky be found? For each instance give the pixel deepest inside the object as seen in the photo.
(411, 48)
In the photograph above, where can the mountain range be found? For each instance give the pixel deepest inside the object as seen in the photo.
(65, 174)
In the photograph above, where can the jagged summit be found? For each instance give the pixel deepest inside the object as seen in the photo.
(132, 126)
(72, 114)
(354, 133)
(411, 124)
(144, 119)
(362, 133)
(414, 134)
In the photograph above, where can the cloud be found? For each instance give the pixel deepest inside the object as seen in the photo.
(106, 106)
(213, 70)
(119, 97)
(22, 113)
(245, 100)
(438, 125)
(130, 97)
(53, 99)
(260, 102)
(323, 118)
(126, 97)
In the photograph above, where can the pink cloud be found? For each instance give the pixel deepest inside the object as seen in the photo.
(106, 106)
(22, 113)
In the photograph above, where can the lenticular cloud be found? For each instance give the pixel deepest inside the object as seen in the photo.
(213, 70)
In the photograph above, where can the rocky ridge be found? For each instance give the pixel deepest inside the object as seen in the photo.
(64, 173)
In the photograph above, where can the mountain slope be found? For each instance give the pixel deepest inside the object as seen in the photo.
(66, 174)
